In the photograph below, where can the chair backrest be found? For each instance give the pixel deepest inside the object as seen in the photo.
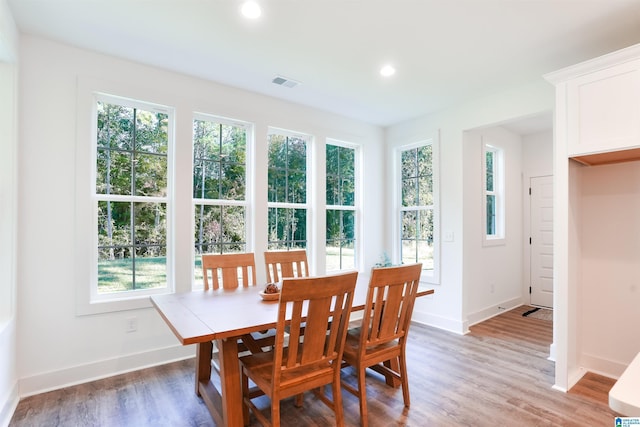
(321, 306)
(230, 269)
(284, 264)
(392, 293)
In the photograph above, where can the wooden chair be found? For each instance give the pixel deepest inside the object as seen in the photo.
(380, 342)
(282, 264)
(311, 361)
(229, 271)
(225, 270)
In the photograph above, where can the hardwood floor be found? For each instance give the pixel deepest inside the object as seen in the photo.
(496, 375)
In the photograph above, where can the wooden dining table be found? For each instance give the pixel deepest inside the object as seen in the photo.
(201, 317)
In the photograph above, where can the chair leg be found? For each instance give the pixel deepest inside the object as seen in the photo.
(245, 395)
(275, 412)
(337, 402)
(362, 394)
(404, 379)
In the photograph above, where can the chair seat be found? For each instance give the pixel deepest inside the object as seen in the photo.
(352, 349)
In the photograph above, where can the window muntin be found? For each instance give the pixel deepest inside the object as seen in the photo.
(219, 187)
(493, 194)
(340, 207)
(417, 206)
(131, 196)
(287, 191)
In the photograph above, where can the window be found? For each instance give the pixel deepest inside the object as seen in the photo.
(341, 210)
(132, 189)
(219, 187)
(493, 185)
(417, 207)
(287, 186)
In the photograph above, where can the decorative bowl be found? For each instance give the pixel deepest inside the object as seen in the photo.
(269, 297)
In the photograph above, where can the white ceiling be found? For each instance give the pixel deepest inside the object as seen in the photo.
(444, 50)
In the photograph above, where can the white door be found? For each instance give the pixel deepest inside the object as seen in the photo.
(541, 253)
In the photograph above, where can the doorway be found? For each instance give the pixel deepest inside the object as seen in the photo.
(541, 241)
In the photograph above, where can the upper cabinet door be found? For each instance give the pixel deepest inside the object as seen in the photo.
(604, 110)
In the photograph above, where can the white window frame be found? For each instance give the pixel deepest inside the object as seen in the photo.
(308, 164)
(427, 276)
(246, 203)
(498, 192)
(88, 301)
(356, 208)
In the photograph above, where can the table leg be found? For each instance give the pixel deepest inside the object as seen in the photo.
(230, 382)
(204, 387)
(203, 363)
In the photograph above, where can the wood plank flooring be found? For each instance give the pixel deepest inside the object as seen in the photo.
(496, 375)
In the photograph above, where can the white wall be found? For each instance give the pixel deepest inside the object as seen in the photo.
(79, 348)
(609, 289)
(445, 308)
(8, 214)
(492, 273)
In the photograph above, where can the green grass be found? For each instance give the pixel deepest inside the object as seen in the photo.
(116, 275)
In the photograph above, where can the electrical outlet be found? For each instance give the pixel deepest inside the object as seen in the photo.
(132, 324)
(493, 288)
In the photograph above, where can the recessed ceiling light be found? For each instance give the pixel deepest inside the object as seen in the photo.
(251, 9)
(387, 71)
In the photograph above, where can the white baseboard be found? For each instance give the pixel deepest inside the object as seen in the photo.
(601, 366)
(446, 323)
(552, 352)
(492, 311)
(9, 406)
(42, 383)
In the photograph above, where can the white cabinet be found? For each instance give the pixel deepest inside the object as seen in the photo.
(603, 110)
(595, 218)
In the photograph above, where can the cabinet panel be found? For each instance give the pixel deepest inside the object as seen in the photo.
(604, 110)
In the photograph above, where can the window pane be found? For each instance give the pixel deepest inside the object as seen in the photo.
(297, 183)
(409, 163)
(151, 175)
(219, 159)
(409, 225)
(489, 171)
(219, 229)
(417, 237)
(113, 174)
(333, 190)
(491, 215)
(131, 258)
(409, 192)
(206, 183)
(287, 228)
(287, 178)
(151, 132)
(115, 126)
(425, 191)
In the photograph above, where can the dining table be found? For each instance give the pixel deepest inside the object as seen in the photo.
(223, 316)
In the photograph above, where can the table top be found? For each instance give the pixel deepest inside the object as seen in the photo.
(201, 316)
(623, 396)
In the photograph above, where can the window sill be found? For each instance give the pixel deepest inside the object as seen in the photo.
(497, 241)
(113, 305)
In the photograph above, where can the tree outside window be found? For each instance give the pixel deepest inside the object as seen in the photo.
(493, 194)
(287, 187)
(131, 196)
(219, 187)
(417, 206)
(341, 212)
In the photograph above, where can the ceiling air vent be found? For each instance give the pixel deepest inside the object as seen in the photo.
(284, 81)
